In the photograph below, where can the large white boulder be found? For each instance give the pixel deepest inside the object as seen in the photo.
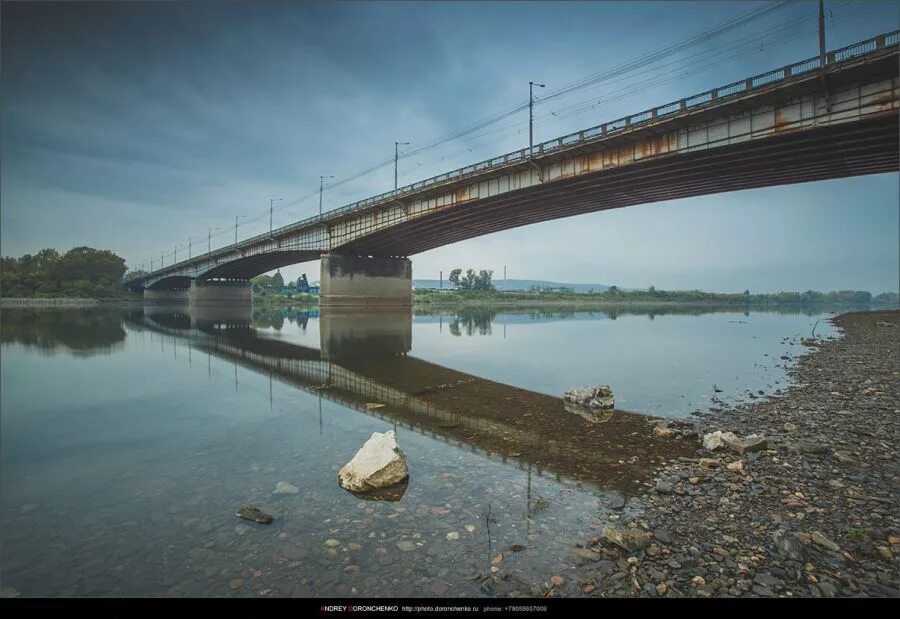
(378, 464)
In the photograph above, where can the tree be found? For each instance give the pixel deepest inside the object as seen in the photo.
(82, 271)
(469, 282)
(261, 283)
(482, 281)
(135, 274)
(454, 277)
(277, 281)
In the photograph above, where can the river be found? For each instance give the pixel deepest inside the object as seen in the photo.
(131, 436)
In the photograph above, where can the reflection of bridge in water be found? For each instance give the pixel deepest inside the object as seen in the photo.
(363, 360)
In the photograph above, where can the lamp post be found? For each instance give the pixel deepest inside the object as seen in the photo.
(236, 217)
(822, 34)
(209, 239)
(272, 202)
(531, 86)
(396, 159)
(321, 188)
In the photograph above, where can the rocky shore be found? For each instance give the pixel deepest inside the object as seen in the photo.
(814, 513)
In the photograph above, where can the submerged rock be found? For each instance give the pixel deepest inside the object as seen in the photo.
(628, 539)
(255, 515)
(594, 415)
(391, 494)
(283, 487)
(600, 397)
(378, 464)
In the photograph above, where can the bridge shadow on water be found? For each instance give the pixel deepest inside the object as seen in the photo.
(363, 363)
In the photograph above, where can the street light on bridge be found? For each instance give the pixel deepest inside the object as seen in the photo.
(209, 239)
(531, 116)
(236, 217)
(396, 158)
(321, 188)
(272, 201)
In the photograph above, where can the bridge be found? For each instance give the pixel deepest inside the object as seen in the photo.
(363, 359)
(804, 122)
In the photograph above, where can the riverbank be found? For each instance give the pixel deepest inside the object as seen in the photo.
(813, 515)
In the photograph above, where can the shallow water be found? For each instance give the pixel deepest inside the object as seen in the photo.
(130, 437)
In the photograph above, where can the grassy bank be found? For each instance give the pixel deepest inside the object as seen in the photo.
(643, 299)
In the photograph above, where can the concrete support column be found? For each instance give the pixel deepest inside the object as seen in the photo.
(165, 297)
(365, 282)
(213, 292)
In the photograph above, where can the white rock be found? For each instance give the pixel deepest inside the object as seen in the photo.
(378, 464)
(717, 439)
(283, 487)
(600, 396)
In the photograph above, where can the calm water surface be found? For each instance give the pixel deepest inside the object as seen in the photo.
(131, 436)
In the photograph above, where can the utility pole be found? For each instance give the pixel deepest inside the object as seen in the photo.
(162, 260)
(151, 265)
(272, 201)
(822, 34)
(190, 242)
(175, 255)
(441, 285)
(504, 278)
(396, 159)
(321, 189)
(531, 116)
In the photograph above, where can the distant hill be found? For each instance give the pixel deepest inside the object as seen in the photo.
(518, 285)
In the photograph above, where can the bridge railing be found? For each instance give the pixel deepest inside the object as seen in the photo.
(587, 136)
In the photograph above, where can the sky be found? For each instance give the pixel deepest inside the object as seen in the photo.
(137, 127)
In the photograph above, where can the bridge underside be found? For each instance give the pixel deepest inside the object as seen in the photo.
(838, 151)
(251, 266)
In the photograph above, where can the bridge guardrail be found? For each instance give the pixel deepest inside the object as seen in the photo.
(592, 134)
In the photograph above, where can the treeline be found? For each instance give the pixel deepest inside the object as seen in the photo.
(80, 272)
(810, 298)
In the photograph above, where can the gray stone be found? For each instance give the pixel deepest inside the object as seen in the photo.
(628, 539)
(819, 539)
(789, 546)
(600, 397)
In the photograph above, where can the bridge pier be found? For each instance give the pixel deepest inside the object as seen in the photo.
(165, 297)
(354, 281)
(220, 292)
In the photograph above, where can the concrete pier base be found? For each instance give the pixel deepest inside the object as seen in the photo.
(353, 281)
(216, 292)
(165, 297)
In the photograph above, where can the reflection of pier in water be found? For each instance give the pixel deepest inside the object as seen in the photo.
(363, 359)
